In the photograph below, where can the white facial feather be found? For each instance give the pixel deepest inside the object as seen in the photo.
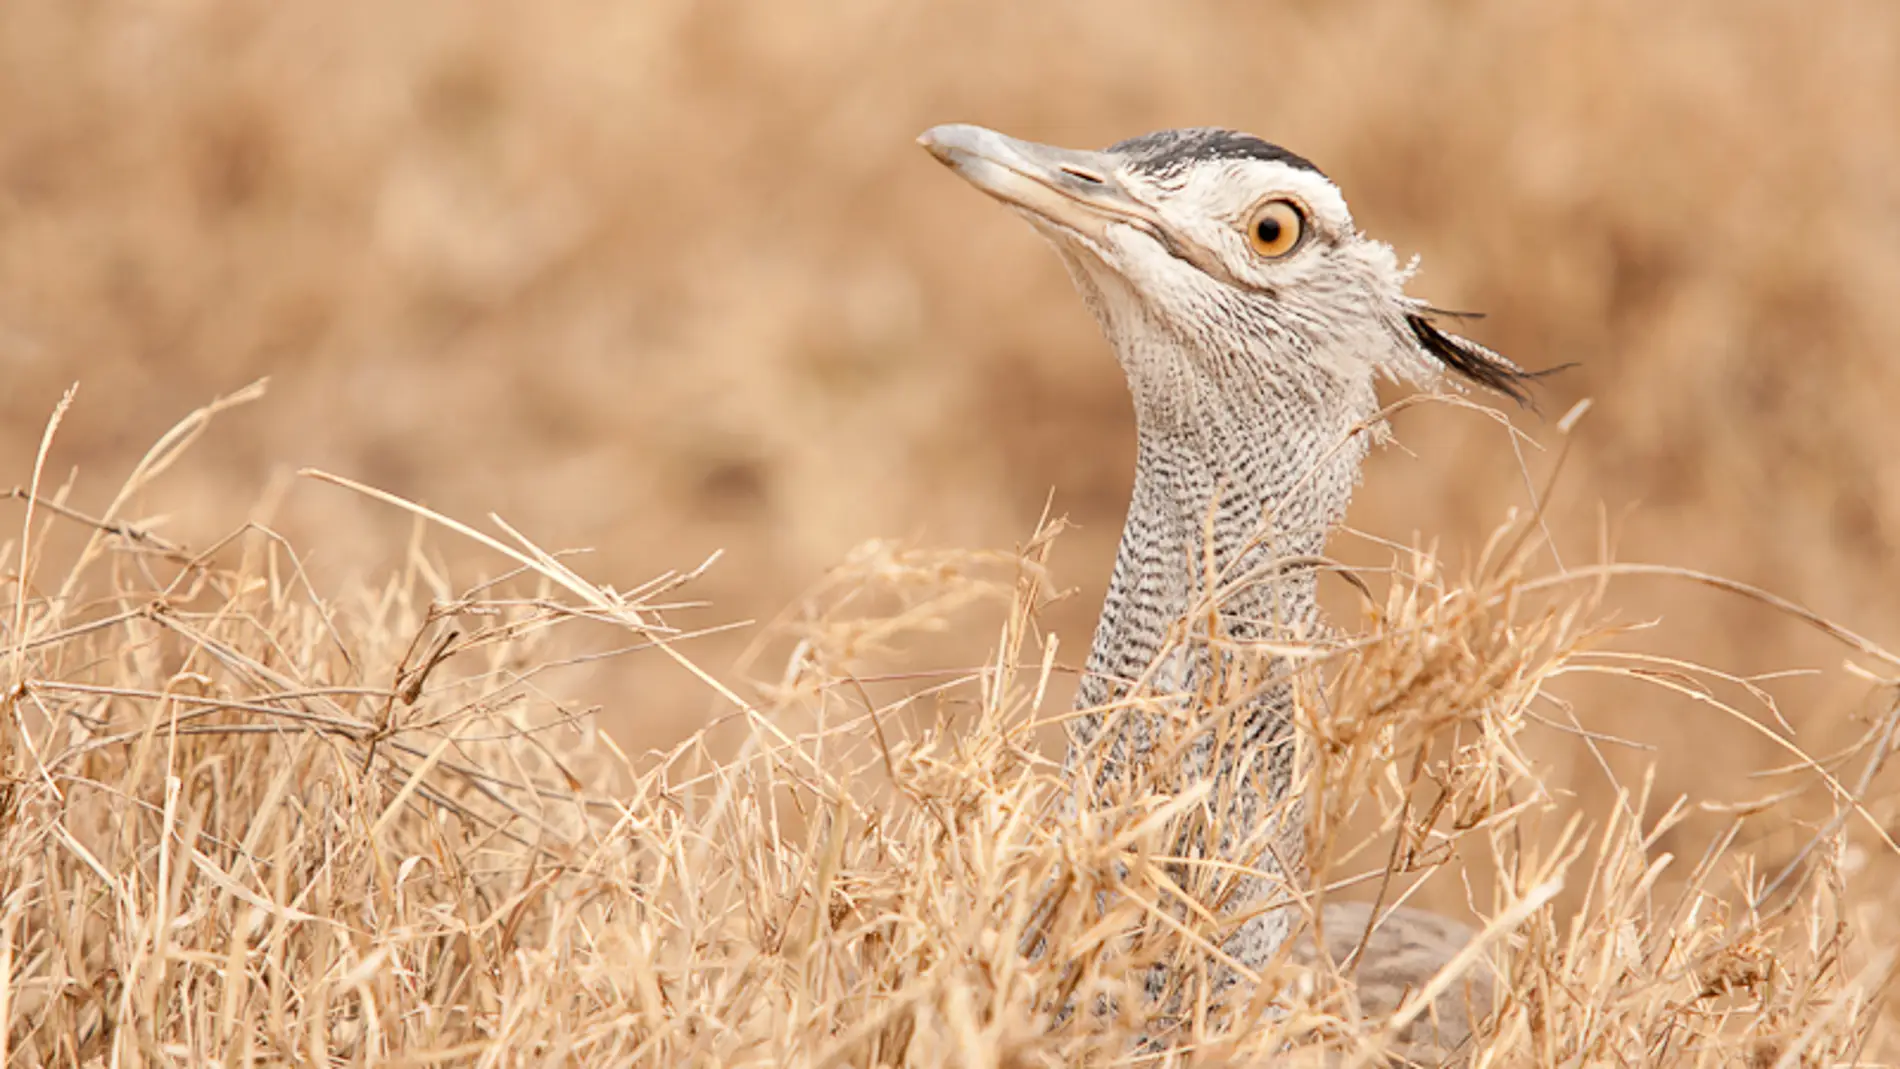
(1328, 316)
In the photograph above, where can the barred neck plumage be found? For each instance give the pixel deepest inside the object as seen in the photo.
(1254, 454)
(1235, 487)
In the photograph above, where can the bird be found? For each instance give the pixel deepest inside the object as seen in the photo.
(1252, 321)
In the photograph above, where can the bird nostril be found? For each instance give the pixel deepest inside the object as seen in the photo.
(1078, 173)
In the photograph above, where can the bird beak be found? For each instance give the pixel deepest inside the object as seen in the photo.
(1073, 190)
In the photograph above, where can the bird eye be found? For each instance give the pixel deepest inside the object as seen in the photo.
(1275, 228)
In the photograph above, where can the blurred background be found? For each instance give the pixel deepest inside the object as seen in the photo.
(664, 278)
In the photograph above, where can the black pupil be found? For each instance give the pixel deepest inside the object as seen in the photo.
(1268, 230)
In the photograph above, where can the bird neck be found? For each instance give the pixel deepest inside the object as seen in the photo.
(1240, 472)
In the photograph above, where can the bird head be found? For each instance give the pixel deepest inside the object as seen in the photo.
(1225, 252)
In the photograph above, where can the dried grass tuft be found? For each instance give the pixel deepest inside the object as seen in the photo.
(247, 821)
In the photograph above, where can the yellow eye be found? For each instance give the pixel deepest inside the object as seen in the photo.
(1275, 228)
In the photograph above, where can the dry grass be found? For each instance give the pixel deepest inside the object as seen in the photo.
(668, 277)
(249, 820)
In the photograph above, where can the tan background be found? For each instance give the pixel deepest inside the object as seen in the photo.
(664, 277)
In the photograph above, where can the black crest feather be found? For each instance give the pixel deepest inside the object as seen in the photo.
(1475, 362)
(1166, 151)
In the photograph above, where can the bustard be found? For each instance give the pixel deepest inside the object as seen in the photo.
(1251, 320)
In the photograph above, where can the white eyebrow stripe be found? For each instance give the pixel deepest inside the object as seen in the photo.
(1319, 194)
